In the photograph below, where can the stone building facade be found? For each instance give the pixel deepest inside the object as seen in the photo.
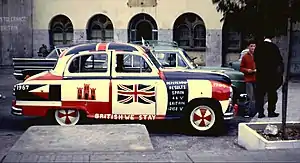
(194, 24)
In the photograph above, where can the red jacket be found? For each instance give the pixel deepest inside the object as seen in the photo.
(248, 63)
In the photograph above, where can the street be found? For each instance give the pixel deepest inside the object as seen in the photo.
(164, 135)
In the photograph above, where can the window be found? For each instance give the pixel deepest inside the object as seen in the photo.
(189, 32)
(61, 32)
(100, 28)
(170, 59)
(181, 62)
(234, 40)
(89, 64)
(128, 63)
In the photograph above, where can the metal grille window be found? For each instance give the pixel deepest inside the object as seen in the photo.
(61, 31)
(100, 28)
(189, 32)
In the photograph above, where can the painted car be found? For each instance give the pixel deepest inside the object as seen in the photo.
(171, 56)
(118, 89)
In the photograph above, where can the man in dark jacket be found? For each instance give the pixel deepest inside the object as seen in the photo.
(269, 75)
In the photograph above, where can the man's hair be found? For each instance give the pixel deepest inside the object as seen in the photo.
(251, 42)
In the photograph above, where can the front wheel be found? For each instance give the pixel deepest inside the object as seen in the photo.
(204, 118)
(67, 117)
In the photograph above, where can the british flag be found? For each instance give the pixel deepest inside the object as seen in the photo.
(139, 93)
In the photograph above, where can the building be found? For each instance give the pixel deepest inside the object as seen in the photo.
(194, 24)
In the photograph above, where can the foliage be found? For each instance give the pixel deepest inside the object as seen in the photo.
(256, 16)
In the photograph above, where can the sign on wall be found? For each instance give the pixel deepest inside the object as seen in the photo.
(142, 3)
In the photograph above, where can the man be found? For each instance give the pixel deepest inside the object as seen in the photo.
(269, 75)
(248, 67)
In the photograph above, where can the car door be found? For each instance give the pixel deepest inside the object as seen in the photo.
(86, 83)
(134, 84)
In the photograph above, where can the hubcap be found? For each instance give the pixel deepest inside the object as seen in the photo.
(202, 118)
(67, 117)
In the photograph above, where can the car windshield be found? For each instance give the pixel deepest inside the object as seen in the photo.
(153, 58)
(170, 59)
(189, 58)
(53, 54)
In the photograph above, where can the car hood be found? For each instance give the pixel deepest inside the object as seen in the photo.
(175, 74)
(230, 72)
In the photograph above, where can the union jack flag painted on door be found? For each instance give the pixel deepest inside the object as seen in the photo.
(139, 93)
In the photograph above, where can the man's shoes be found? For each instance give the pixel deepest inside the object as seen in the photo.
(273, 114)
(261, 116)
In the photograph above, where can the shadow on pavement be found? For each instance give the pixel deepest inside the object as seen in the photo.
(154, 127)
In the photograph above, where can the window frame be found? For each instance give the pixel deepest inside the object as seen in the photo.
(154, 70)
(67, 73)
(191, 26)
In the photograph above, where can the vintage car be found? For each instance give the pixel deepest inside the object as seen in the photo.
(130, 85)
(171, 56)
(26, 67)
(236, 64)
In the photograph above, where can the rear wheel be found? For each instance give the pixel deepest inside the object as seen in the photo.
(204, 117)
(67, 117)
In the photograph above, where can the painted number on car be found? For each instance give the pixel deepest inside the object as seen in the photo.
(22, 87)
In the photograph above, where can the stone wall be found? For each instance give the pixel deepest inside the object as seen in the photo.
(211, 57)
(15, 30)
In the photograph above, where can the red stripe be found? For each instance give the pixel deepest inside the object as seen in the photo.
(48, 76)
(91, 107)
(220, 91)
(101, 47)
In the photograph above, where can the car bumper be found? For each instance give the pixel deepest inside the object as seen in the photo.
(229, 114)
(15, 110)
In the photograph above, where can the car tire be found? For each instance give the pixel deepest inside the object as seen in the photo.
(67, 117)
(204, 117)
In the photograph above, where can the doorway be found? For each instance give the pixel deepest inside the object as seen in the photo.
(142, 26)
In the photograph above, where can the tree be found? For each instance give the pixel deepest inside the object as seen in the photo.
(256, 16)
(260, 16)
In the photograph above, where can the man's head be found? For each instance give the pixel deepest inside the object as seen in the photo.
(251, 46)
(268, 36)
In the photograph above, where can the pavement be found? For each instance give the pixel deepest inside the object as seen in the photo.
(168, 144)
(293, 106)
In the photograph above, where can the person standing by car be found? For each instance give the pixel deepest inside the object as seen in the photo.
(248, 67)
(269, 75)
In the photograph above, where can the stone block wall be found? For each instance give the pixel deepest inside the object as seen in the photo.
(15, 30)
(211, 57)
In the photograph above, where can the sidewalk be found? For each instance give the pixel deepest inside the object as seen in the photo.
(157, 156)
(293, 106)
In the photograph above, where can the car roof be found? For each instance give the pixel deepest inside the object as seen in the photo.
(101, 47)
(165, 48)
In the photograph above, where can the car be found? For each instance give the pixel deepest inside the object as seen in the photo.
(138, 89)
(172, 56)
(26, 67)
(236, 64)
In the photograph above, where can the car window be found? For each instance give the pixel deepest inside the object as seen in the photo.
(167, 59)
(181, 62)
(129, 63)
(53, 54)
(94, 63)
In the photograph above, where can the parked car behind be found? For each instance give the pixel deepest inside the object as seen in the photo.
(172, 56)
